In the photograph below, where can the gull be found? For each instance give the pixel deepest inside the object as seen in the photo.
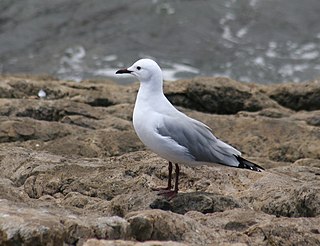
(173, 135)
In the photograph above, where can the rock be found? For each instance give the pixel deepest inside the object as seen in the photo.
(256, 228)
(160, 225)
(311, 118)
(284, 195)
(220, 96)
(95, 242)
(101, 93)
(74, 171)
(275, 112)
(65, 127)
(28, 226)
(301, 96)
(198, 201)
(271, 138)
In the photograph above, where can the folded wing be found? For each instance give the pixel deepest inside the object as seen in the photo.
(199, 140)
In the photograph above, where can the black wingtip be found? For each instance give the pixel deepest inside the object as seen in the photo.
(243, 163)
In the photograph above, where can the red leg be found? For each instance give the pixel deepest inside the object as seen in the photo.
(170, 176)
(169, 194)
(169, 180)
(176, 188)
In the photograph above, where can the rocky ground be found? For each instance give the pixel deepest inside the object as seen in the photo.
(75, 173)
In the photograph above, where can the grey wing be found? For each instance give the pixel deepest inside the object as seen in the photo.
(199, 140)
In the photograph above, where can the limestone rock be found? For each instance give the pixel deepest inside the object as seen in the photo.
(301, 96)
(160, 225)
(197, 201)
(74, 172)
(220, 96)
(95, 242)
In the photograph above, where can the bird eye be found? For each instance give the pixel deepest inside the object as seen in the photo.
(138, 67)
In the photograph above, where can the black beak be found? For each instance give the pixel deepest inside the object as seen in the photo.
(122, 71)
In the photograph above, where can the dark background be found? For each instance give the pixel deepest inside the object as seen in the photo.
(266, 41)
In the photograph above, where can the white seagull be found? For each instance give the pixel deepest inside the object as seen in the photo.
(170, 133)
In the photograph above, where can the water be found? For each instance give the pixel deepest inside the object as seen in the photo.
(266, 41)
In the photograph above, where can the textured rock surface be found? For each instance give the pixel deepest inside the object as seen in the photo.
(74, 172)
(302, 96)
(95, 242)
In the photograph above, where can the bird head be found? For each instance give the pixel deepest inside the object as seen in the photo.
(143, 70)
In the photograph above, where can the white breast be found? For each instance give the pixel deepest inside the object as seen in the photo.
(145, 125)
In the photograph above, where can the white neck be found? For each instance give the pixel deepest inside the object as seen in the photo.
(150, 97)
(152, 89)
